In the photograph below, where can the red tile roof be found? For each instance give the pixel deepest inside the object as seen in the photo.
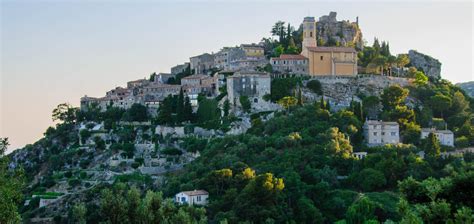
(332, 49)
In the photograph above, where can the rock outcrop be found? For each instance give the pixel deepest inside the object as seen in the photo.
(330, 31)
(430, 66)
(468, 87)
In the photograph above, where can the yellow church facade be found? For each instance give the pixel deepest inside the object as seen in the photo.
(332, 61)
(323, 61)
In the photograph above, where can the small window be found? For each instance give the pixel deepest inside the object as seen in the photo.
(310, 34)
(255, 100)
(375, 133)
(321, 58)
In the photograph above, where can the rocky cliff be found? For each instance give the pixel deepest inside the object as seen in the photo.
(430, 66)
(330, 31)
(468, 87)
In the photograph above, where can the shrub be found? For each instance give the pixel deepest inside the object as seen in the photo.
(245, 102)
(315, 86)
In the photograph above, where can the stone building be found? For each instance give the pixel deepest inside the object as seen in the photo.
(202, 64)
(254, 85)
(290, 64)
(253, 50)
(164, 77)
(137, 83)
(179, 68)
(332, 61)
(445, 137)
(380, 132)
(226, 55)
(326, 60)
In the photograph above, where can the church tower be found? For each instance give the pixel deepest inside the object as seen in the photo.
(309, 35)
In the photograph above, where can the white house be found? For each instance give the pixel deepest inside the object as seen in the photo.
(381, 132)
(196, 197)
(359, 155)
(445, 137)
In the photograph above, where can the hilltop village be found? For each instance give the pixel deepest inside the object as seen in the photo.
(312, 125)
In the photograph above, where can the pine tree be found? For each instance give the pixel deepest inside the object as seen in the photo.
(300, 97)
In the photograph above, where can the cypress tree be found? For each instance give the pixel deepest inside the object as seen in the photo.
(188, 110)
(180, 107)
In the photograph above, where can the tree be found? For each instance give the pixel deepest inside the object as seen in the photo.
(339, 144)
(291, 49)
(315, 86)
(380, 62)
(11, 185)
(65, 113)
(287, 102)
(165, 111)
(79, 212)
(226, 107)
(180, 117)
(360, 211)
(420, 79)
(440, 103)
(137, 112)
(278, 50)
(245, 102)
(188, 110)
(402, 61)
(431, 145)
(371, 179)
(278, 29)
(371, 106)
(393, 96)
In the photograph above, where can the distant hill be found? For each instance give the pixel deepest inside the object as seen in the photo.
(468, 87)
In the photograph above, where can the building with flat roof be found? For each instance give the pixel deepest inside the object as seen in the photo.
(196, 197)
(445, 137)
(381, 132)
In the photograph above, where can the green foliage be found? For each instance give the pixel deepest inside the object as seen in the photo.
(282, 87)
(245, 102)
(315, 86)
(11, 185)
(137, 112)
(208, 113)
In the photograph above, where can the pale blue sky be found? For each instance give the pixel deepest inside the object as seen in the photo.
(57, 51)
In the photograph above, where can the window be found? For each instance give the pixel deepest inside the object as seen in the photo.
(255, 100)
(375, 133)
(383, 133)
(311, 34)
(198, 198)
(321, 58)
(393, 133)
(183, 199)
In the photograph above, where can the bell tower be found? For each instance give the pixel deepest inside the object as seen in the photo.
(309, 35)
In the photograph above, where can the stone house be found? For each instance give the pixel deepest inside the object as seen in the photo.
(290, 64)
(196, 197)
(179, 68)
(251, 84)
(164, 77)
(445, 137)
(380, 132)
(202, 64)
(226, 55)
(253, 50)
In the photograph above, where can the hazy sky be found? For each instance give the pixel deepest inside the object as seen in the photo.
(57, 51)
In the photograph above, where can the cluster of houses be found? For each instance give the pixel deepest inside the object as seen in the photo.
(236, 67)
